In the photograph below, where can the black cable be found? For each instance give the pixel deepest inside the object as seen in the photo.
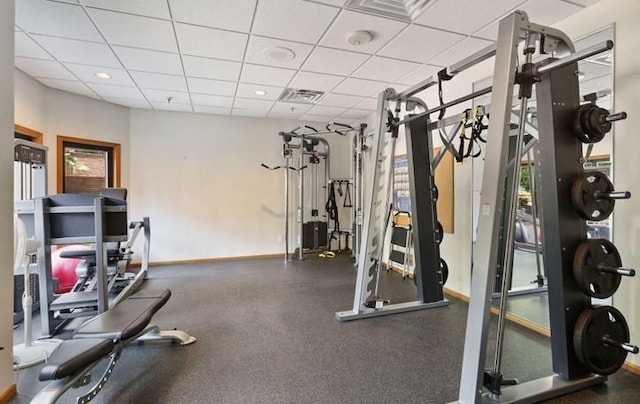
(332, 209)
(347, 197)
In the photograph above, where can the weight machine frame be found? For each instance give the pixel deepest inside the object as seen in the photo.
(561, 162)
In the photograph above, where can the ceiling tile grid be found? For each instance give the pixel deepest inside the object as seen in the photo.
(235, 57)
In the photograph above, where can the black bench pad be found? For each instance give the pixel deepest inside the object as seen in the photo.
(74, 355)
(127, 319)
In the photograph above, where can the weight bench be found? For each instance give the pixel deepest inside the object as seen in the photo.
(104, 335)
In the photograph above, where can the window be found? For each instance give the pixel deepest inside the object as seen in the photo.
(87, 166)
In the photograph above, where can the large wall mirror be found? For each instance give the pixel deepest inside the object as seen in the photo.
(528, 298)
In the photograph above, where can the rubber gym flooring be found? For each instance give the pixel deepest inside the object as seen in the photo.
(267, 334)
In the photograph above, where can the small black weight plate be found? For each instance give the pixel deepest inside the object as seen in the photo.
(589, 277)
(435, 193)
(593, 325)
(584, 196)
(590, 125)
(439, 234)
(444, 270)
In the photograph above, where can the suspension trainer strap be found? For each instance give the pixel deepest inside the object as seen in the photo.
(347, 197)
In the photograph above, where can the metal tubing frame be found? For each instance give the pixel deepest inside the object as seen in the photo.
(561, 153)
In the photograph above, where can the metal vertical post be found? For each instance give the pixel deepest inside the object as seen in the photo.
(493, 182)
(564, 230)
(101, 255)
(301, 200)
(426, 251)
(286, 152)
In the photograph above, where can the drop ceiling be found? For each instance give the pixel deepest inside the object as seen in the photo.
(211, 56)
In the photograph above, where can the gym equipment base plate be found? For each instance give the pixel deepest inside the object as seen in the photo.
(541, 389)
(388, 309)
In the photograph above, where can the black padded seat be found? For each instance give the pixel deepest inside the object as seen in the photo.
(127, 319)
(74, 355)
(87, 254)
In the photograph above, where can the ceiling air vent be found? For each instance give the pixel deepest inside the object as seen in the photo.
(300, 96)
(405, 10)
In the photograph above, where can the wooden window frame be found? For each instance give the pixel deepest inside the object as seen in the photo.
(60, 140)
(34, 135)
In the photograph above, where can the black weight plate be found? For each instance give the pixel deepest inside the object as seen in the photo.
(598, 126)
(583, 196)
(444, 269)
(592, 326)
(586, 261)
(580, 123)
(435, 193)
(439, 233)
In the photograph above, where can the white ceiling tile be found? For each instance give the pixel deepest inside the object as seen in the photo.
(211, 100)
(217, 87)
(211, 68)
(129, 103)
(365, 88)
(459, 51)
(291, 108)
(139, 32)
(26, 47)
(162, 95)
(159, 81)
(584, 3)
(284, 115)
(266, 75)
(166, 106)
(74, 51)
(339, 100)
(211, 110)
(252, 104)
(43, 68)
(119, 77)
(209, 42)
(383, 30)
(70, 86)
(257, 46)
(149, 61)
(304, 21)
(317, 118)
(384, 69)
(315, 81)
(325, 110)
(548, 12)
(355, 114)
(368, 104)
(423, 72)
(545, 12)
(447, 14)
(59, 19)
(233, 15)
(249, 113)
(149, 8)
(337, 3)
(333, 61)
(420, 44)
(248, 91)
(110, 91)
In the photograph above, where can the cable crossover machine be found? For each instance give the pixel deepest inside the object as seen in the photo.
(308, 154)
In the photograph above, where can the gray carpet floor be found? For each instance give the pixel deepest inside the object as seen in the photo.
(267, 334)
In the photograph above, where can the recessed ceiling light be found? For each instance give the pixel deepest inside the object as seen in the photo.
(103, 75)
(279, 53)
(260, 92)
(359, 37)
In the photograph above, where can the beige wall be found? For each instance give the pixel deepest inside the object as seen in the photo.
(199, 179)
(6, 193)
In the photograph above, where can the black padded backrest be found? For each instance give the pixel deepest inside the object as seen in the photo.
(127, 319)
(73, 356)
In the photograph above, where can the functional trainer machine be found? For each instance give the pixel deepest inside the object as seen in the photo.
(302, 146)
(587, 342)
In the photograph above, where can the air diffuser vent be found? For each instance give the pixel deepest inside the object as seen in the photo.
(300, 96)
(405, 10)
